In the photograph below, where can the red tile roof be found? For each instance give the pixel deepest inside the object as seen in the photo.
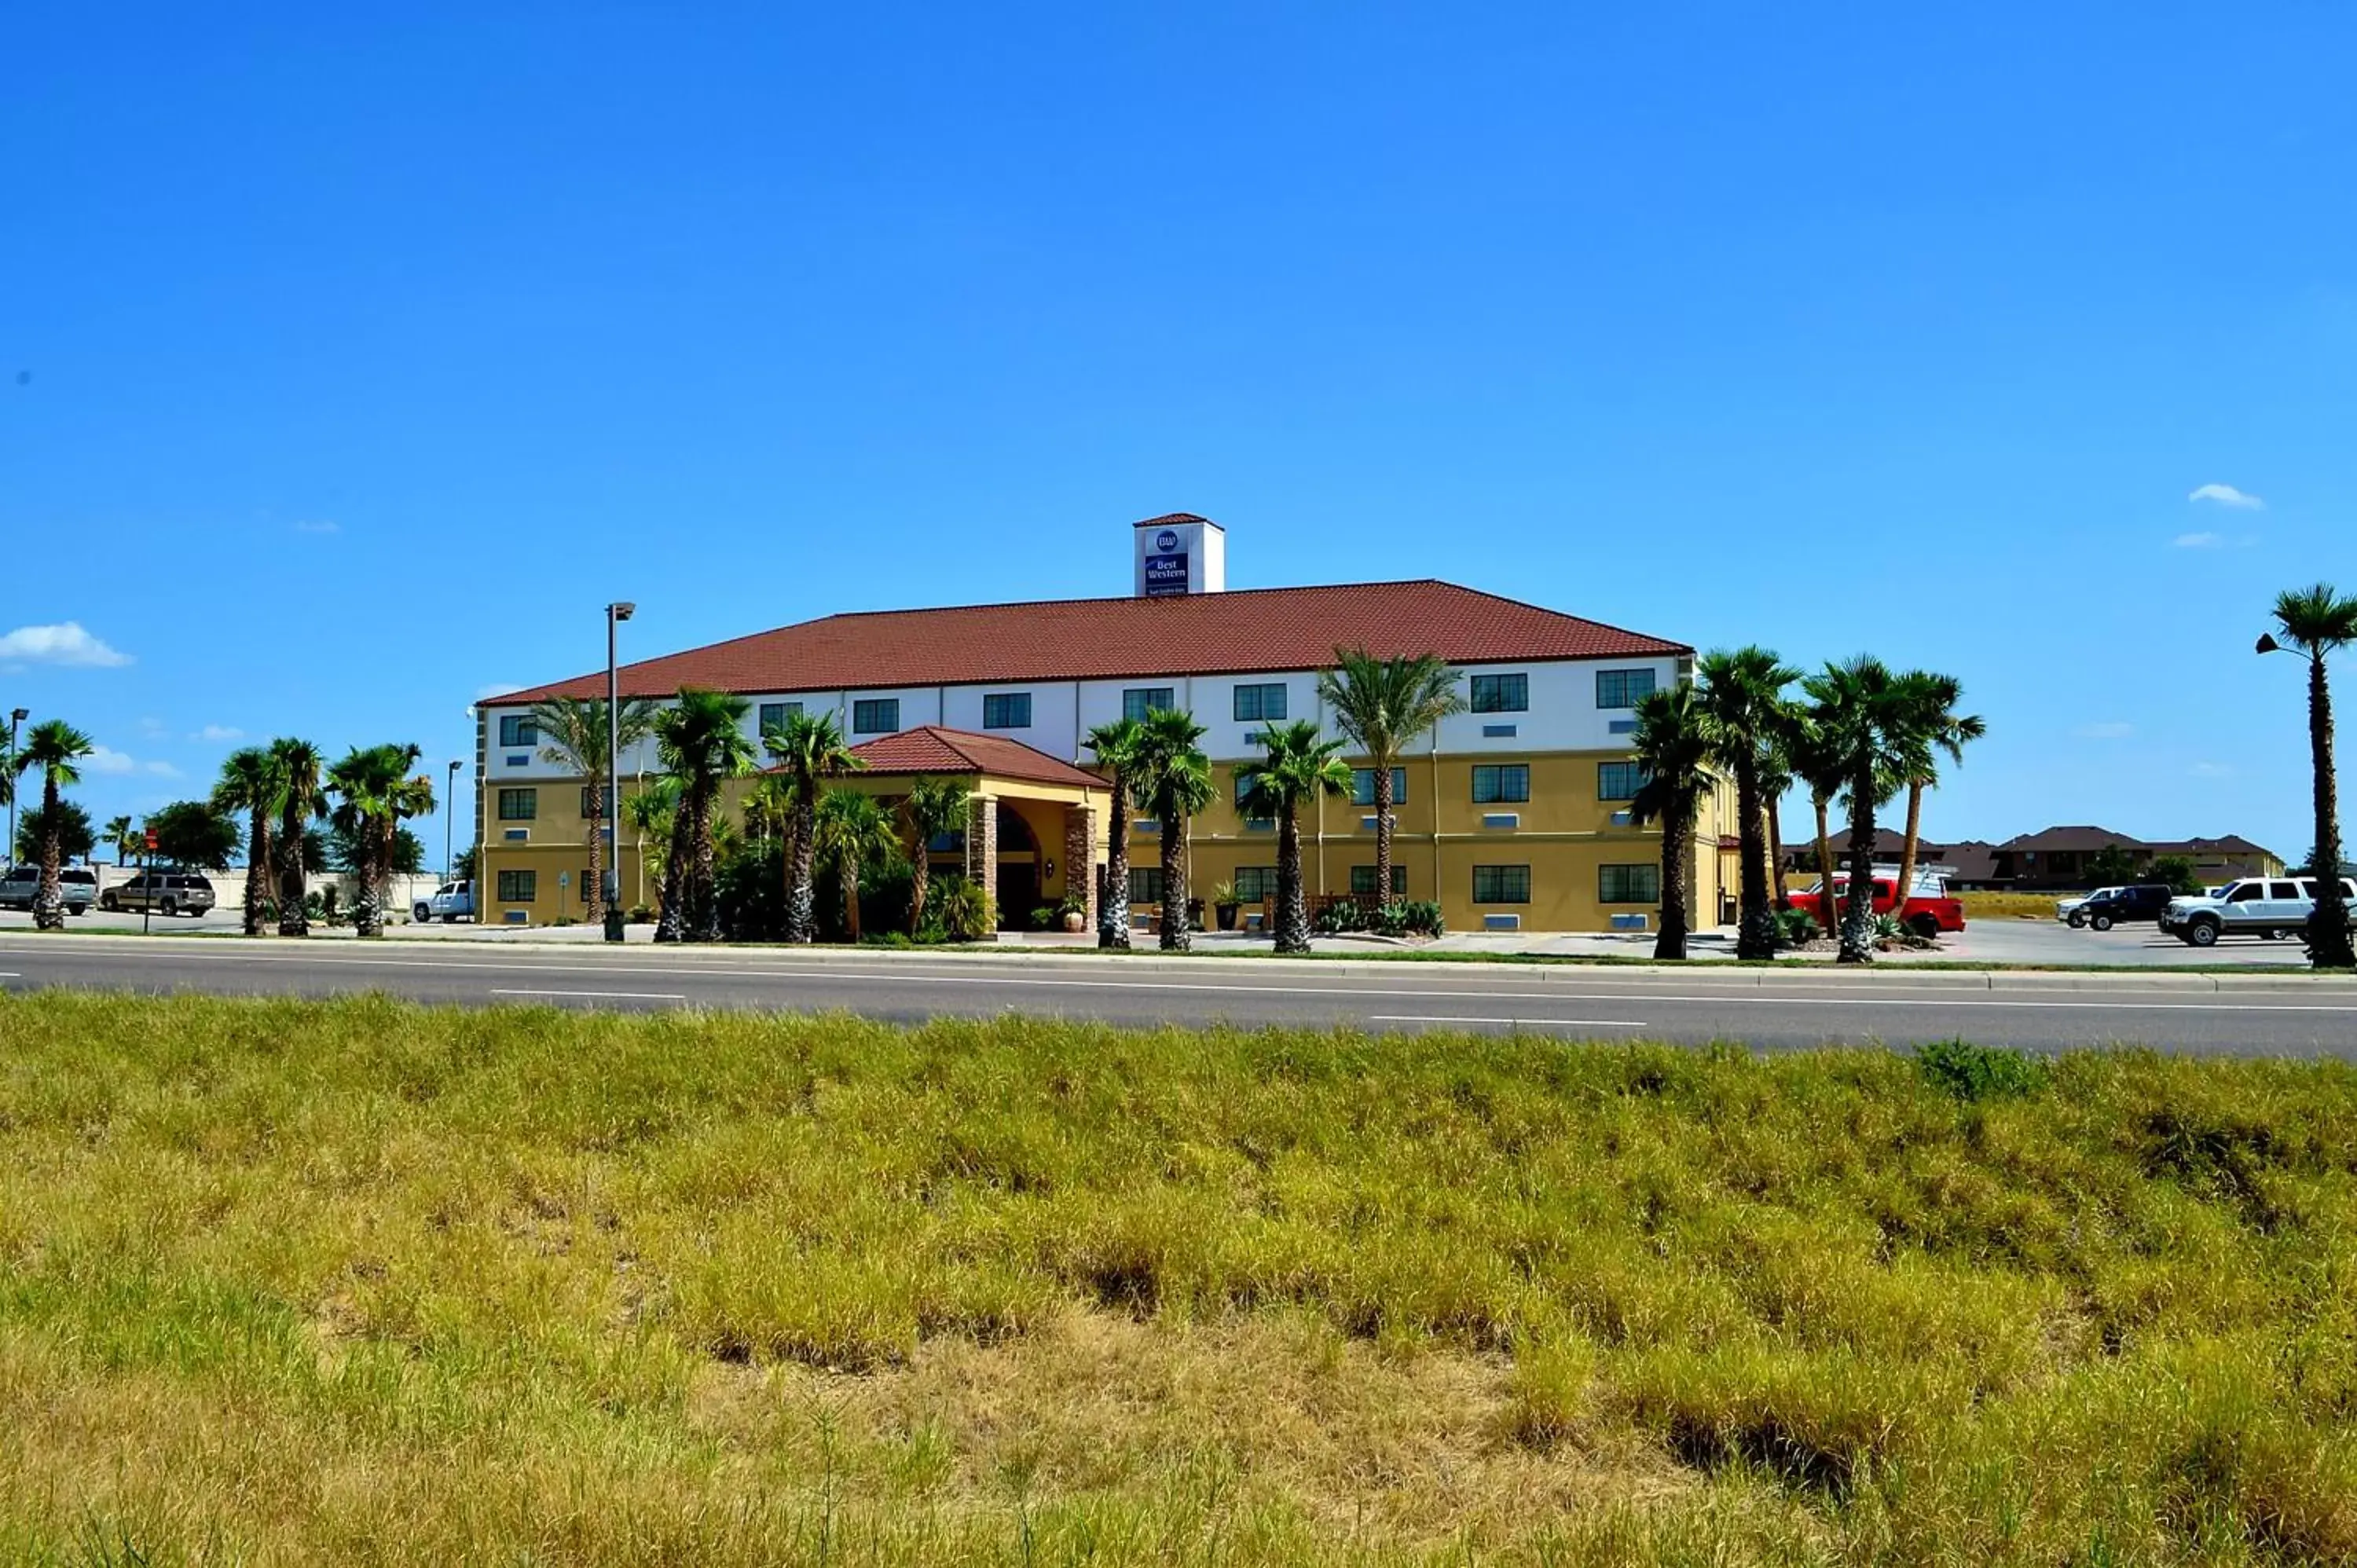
(929, 748)
(1096, 639)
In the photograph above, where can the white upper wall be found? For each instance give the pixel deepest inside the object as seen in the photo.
(1561, 712)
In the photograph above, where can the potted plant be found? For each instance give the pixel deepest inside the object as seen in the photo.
(1225, 905)
(1075, 911)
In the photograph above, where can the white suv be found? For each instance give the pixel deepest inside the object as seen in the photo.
(2268, 906)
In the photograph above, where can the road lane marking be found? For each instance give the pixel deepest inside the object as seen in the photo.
(1535, 1023)
(1372, 990)
(625, 996)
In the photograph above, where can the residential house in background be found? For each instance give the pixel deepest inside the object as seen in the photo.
(2058, 857)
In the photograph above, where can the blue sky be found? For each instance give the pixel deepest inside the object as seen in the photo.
(347, 368)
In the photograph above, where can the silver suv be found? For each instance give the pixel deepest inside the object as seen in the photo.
(77, 885)
(165, 892)
(2268, 906)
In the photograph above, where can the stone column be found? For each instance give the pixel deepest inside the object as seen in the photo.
(1080, 857)
(982, 844)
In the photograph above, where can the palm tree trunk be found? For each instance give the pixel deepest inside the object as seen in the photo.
(257, 868)
(48, 903)
(1677, 851)
(1775, 854)
(801, 898)
(1292, 903)
(1857, 910)
(294, 920)
(1384, 831)
(597, 803)
(2328, 944)
(671, 926)
(1755, 934)
(1828, 917)
(918, 875)
(368, 916)
(705, 903)
(849, 876)
(1909, 850)
(1112, 909)
(1176, 938)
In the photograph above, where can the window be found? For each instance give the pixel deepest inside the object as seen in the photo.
(1629, 884)
(1622, 688)
(1140, 701)
(1362, 787)
(1502, 694)
(1362, 880)
(877, 716)
(1243, 789)
(1618, 780)
(773, 715)
(1006, 710)
(1257, 703)
(519, 805)
(1255, 883)
(519, 887)
(519, 729)
(1145, 885)
(1502, 884)
(1495, 781)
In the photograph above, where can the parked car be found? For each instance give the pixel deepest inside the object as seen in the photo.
(163, 892)
(77, 885)
(451, 901)
(2270, 908)
(1928, 911)
(2107, 906)
(2067, 910)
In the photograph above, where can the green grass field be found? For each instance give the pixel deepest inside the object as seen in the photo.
(367, 1284)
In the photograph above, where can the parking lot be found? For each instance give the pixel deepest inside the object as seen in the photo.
(2011, 939)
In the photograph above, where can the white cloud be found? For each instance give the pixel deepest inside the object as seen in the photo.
(2108, 729)
(65, 643)
(219, 734)
(319, 525)
(2211, 770)
(2197, 542)
(106, 760)
(151, 727)
(2227, 495)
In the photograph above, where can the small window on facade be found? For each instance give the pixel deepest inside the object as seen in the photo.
(1362, 880)
(1493, 782)
(519, 887)
(1256, 705)
(876, 716)
(1145, 885)
(1140, 701)
(1006, 710)
(519, 805)
(1502, 884)
(1243, 786)
(1622, 688)
(1255, 883)
(1502, 694)
(1362, 786)
(1629, 884)
(1618, 780)
(774, 715)
(519, 729)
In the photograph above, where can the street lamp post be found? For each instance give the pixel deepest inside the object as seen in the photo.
(449, 820)
(611, 877)
(16, 717)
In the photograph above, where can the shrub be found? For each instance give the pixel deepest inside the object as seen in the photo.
(1335, 919)
(1973, 1072)
(1044, 918)
(1794, 927)
(959, 910)
(750, 891)
(640, 915)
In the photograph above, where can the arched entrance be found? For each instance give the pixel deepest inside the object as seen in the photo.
(1018, 891)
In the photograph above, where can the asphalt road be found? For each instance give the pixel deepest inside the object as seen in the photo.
(2286, 1015)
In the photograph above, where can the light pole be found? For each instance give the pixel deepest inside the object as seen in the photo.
(449, 818)
(610, 879)
(16, 717)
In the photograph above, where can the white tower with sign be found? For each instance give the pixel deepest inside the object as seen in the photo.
(1181, 553)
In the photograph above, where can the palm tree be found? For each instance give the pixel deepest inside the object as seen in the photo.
(52, 748)
(1173, 781)
(301, 798)
(1383, 706)
(122, 835)
(1861, 714)
(930, 807)
(1815, 768)
(1741, 697)
(1935, 726)
(1117, 747)
(1299, 767)
(1674, 745)
(808, 748)
(769, 809)
(850, 828)
(2317, 621)
(577, 738)
(702, 741)
(1776, 782)
(248, 783)
(376, 789)
(652, 813)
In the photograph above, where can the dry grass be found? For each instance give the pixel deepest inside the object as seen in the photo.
(2009, 906)
(363, 1282)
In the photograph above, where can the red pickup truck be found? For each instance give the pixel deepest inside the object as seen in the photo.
(1930, 911)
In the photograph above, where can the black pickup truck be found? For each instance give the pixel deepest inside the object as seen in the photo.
(2143, 902)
